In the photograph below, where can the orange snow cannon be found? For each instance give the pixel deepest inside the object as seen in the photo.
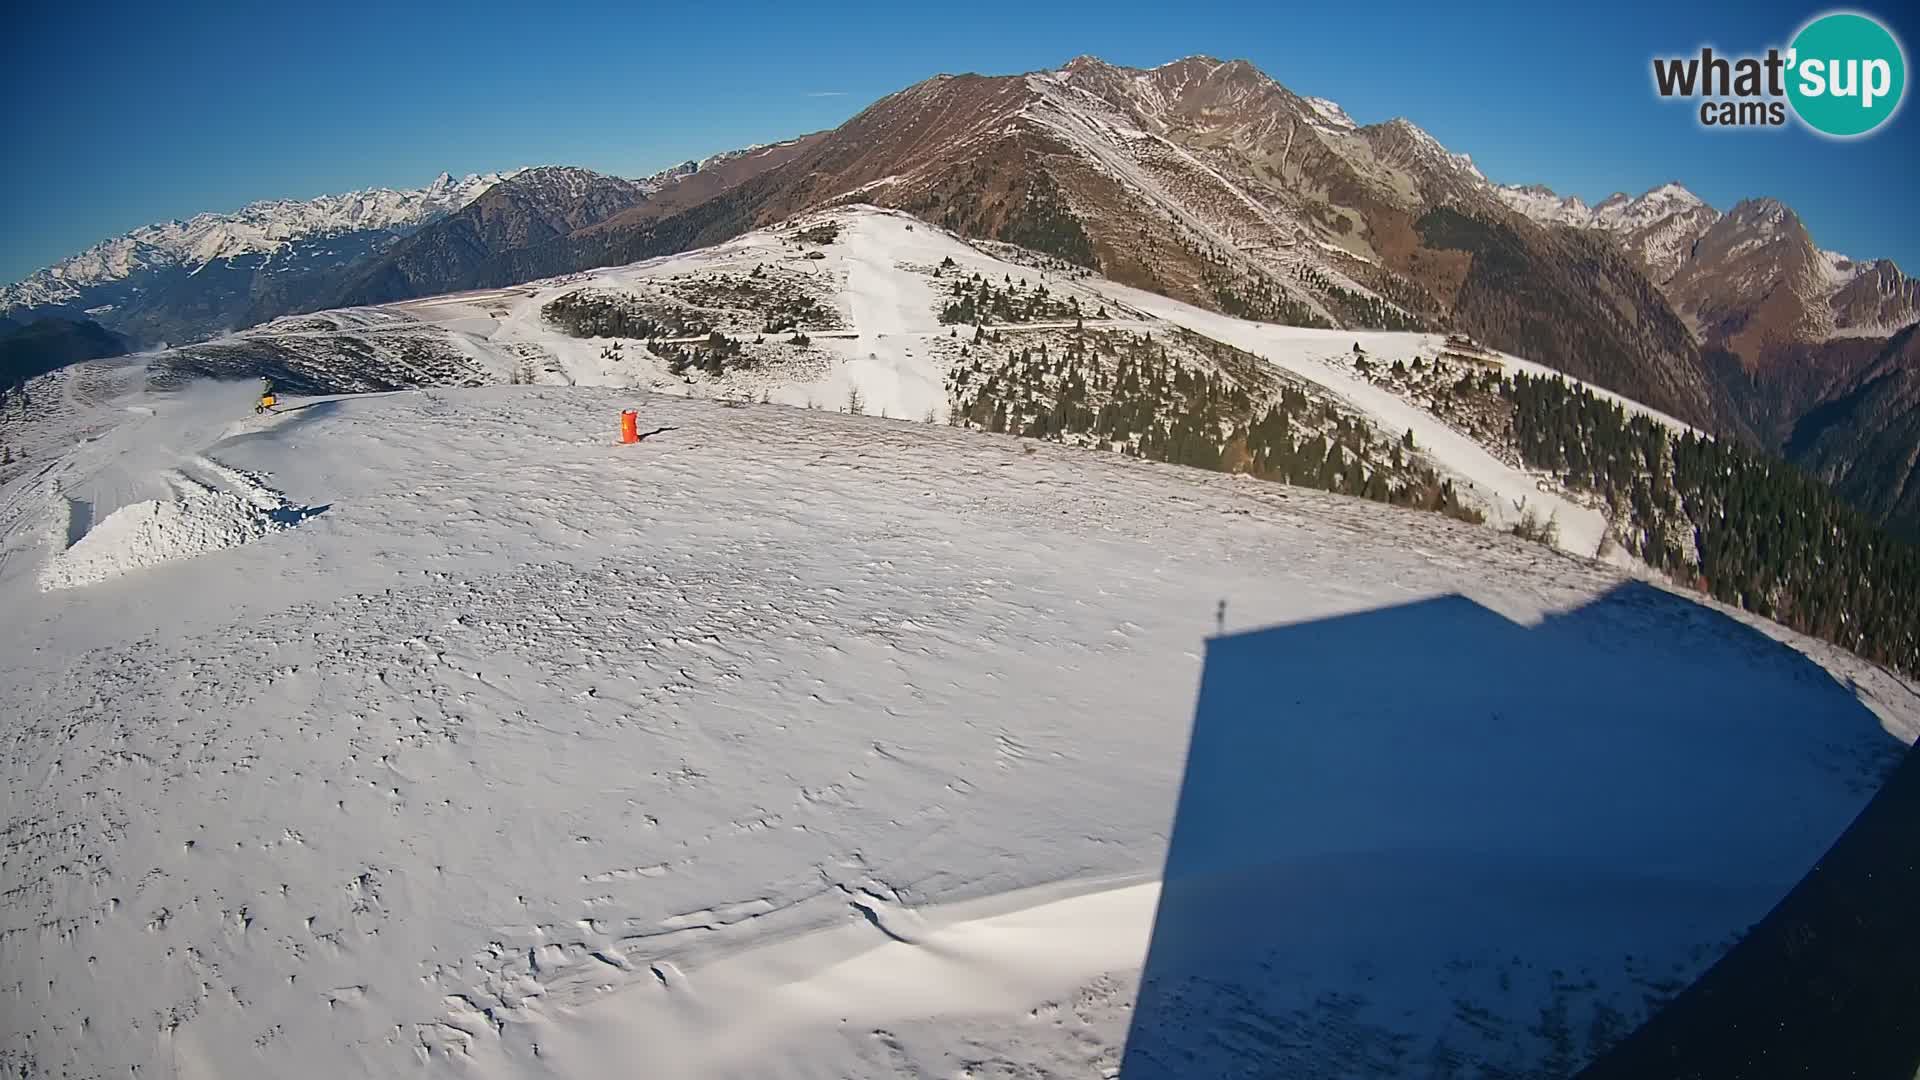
(629, 426)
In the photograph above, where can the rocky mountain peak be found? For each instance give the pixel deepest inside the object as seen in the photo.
(1085, 64)
(1767, 216)
(1673, 191)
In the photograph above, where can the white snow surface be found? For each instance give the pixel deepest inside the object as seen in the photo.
(888, 355)
(783, 743)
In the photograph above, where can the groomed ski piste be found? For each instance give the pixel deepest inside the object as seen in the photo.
(893, 349)
(877, 268)
(434, 733)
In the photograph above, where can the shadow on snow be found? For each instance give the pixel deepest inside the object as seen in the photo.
(1427, 841)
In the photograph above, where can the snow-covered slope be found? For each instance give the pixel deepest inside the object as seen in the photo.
(1500, 488)
(788, 743)
(878, 288)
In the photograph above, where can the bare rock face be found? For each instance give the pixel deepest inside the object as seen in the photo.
(1210, 182)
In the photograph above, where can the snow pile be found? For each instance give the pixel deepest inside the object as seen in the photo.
(158, 531)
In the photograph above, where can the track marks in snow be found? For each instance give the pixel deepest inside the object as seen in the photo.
(812, 682)
(1010, 750)
(249, 486)
(628, 874)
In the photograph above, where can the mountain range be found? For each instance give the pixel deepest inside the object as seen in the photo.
(184, 281)
(48, 343)
(1813, 349)
(1203, 180)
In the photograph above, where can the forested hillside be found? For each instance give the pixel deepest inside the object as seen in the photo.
(1752, 530)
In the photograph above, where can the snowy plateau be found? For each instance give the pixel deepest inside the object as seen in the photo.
(432, 732)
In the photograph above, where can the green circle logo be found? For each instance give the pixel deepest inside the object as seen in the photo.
(1847, 74)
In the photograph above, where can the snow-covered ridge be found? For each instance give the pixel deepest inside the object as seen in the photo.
(569, 183)
(1661, 202)
(269, 226)
(674, 173)
(1540, 204)
(1747, 249)
(262, 227)
(1432, 149)
(1618, 212)
(1332, 113)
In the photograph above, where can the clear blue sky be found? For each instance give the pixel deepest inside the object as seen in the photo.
(120, 114)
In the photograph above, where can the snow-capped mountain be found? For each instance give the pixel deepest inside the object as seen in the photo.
(1621, 214)
(1809, 331)
(1331, 112)
(1809, 342)
(1202, 179)
(266, 228)
(186, 280)
(1539, 203)
(523, 228)
(675, 173)
(1657, 228)
(1714, 265)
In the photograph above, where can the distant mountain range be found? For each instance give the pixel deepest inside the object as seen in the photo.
(1815, 348)
(500, 238)
(182, 281)
(1200, 179)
